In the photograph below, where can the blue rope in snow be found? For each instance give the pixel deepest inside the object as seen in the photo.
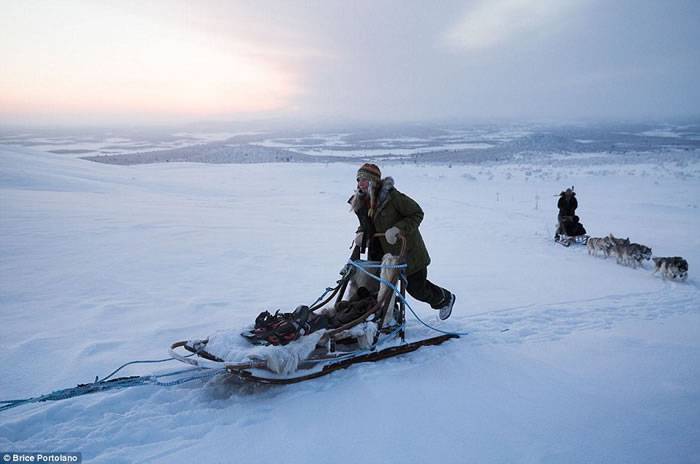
(148, 361)
(367, 264)
(361, 267)
(116, 384)
(206, 375)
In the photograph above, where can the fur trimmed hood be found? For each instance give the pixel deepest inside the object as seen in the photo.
(386, 186)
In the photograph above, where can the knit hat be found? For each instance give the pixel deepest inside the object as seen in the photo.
(370, 172)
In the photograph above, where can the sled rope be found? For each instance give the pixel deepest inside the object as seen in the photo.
(397, 292)
(148, 361)
(323, 295)
(117, 384)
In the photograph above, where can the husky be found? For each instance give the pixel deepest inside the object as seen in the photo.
(642, 252)
(624, 254)
(617, 245)
(597, 245)
(614, 241)
(633, 254)
(673, 267)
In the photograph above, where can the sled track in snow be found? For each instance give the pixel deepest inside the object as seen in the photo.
(557, 320)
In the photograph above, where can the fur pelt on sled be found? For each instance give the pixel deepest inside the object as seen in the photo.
(231, 347)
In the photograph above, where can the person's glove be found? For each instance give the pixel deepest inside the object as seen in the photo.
(358, 238)
(392, 235)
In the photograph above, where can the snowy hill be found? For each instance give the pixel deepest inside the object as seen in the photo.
(570, 358)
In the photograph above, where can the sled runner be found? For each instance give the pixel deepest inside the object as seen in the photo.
(568, 240)
(366, 322)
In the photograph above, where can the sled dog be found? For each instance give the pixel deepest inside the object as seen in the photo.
(641, 252)
(618, 246)
(672, 267)
(633, 254)
(615, 242)
(598, 245)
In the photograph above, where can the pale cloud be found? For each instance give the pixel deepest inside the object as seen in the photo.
(101, 59)
(387, 60)
(491, 23)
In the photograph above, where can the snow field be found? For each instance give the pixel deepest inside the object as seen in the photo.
(571, 358)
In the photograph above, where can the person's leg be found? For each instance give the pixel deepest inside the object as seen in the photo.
(420, 288)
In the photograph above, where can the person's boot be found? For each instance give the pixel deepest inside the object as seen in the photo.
(446, 310)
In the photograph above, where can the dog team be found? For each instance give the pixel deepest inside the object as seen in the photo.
(633, 254)
(627, 253)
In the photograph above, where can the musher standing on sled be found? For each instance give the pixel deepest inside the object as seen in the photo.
(567, 205)
(383, 209)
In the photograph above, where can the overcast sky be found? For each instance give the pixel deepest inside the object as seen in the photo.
(67, 61)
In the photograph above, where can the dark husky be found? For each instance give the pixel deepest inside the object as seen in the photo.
(672, 267)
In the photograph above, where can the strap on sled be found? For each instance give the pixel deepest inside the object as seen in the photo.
(379, 309)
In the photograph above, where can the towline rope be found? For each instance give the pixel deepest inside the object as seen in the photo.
(117, 384)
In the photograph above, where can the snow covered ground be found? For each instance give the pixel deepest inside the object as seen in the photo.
(570, 359)
(79, 144)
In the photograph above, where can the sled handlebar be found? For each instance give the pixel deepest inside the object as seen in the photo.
(402, 254)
